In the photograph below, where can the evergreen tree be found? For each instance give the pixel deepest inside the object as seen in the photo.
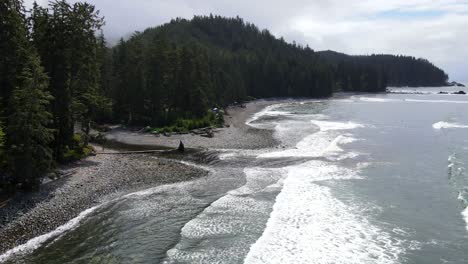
(2, 143)
(13, 42)
(87, 99)
(25, 137)
(72, 62)
(28, 135)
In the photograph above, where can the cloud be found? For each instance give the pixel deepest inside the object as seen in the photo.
(436, 30)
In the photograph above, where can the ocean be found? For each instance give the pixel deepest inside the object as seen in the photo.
(357, 178)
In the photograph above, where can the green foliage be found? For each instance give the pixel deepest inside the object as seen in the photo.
(79, 149)
(2, 138)
(185, 125)
(65, 36)
(13, 43)
(2, 145)
(364, 72)
(28, 135)
(41, 111)
(25, 98)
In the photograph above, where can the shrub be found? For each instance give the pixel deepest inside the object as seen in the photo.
(78, 150)
(211, 119)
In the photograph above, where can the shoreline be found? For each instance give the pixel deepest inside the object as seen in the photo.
(94, 180)
(235, 135)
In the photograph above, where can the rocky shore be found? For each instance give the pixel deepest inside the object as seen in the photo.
(92, 181)
(98, 178)
(236, 134)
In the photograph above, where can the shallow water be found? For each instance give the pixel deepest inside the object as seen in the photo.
(362, 179)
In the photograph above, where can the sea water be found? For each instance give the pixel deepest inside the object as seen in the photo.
(360, 179)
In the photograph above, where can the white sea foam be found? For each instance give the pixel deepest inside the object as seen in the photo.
(463, 197)
(411, 91)
(317, 145)
(386, 100)
(452, 158)
(323, 143)
(309, 225)
(191, 164)
(235, 204)
(329, 125)
(228, 154)
(36, 242)
(436, 101)
(455, 171)
(363, 165)
(227, 217)
(446, 125)
(319, 116)
(342, 100)
(293, 131)
(465, 216)
(377, 100)
(267, 111)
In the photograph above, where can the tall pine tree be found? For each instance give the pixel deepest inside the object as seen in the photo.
(24, 93)
(71, 60)
(28, 135)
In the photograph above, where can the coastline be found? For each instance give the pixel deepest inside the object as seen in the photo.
(95, 179)
(235, 135)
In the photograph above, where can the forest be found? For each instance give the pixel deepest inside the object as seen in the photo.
(59, 78)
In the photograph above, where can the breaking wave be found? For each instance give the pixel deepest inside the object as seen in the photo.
(386, 100)
(446, 125)
(308, 224)
(36, 242)
(322, 143)
(459, 180)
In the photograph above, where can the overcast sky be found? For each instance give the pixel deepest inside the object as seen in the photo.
(433, 29)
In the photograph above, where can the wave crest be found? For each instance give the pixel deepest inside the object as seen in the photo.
(446, 125)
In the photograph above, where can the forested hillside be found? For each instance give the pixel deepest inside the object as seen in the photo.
(58, 78)
(399, 70)
(186, 66)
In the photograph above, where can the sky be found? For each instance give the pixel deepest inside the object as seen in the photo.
(433, 29)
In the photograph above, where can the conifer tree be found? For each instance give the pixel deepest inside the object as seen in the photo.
(13, 42)
(87, 99)
(2, 143)
(28, 135)
(71, 60)
(24, 93)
